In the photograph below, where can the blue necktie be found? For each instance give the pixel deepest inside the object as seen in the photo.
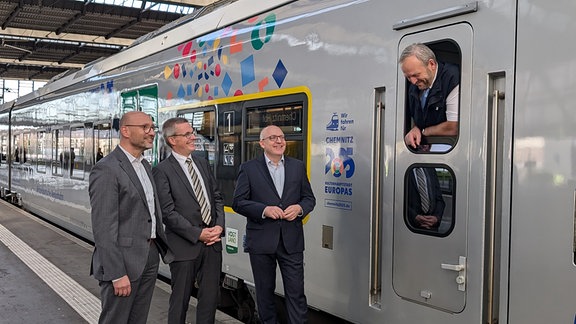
(423, 97)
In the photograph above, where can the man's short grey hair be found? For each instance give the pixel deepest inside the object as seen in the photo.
(169, 127)
(422, 52)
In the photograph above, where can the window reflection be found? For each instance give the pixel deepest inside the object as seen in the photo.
(204, 125)
(429, 200)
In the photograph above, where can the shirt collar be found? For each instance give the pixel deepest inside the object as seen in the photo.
(131, 157)
(180, 158)
(268, 161)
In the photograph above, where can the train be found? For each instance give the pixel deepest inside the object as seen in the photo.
(327, 73)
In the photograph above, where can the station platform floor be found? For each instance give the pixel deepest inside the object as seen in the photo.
(44, 276)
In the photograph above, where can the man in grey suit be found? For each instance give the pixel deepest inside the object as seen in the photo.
(126, 223)
(274, 194)
(193, 212)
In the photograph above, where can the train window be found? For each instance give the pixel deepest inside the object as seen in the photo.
(289, 117)
(429, 200)
(57, 152)
(41, 152)
(4, 148)
(17, 151)
(105, 140)
(143, 99)
(24, 154)
(146, 100)
(204, 125)
(77, 153)
(433, 94)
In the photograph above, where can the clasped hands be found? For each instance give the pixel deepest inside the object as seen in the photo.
(427, 221)
(289, 214)
(211, 235)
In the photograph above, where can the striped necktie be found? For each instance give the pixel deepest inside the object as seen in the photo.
(200, 196)
(422, 190)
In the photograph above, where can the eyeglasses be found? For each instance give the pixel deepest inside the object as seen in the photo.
(187, 135)
(146, 128)
(274, 138)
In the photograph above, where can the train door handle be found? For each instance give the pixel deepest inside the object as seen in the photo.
(461, 269)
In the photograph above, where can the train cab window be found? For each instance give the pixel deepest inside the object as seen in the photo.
(204, 125)
(41, 151)
(432, 102)
(429, 200)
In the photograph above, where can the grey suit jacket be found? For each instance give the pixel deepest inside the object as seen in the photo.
(180, 209)
(121, 221)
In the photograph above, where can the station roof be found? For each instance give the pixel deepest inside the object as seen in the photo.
(42, 39)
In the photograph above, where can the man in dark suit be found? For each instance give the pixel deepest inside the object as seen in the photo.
(193, 228)
(274, 194)
(127, 225)
(425, 201)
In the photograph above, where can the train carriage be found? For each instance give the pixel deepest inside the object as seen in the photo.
(327, 73)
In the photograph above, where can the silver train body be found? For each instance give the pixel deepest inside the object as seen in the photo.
(327, 73)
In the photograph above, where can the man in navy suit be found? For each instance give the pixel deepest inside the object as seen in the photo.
(426, 215)
(193, 227)
(274, 194)
(127, 226)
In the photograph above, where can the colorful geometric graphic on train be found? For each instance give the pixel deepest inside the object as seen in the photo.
(203, 74)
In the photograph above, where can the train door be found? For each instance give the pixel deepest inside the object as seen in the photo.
(430, 255)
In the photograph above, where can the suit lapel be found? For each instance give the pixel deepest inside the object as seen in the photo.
(184, 178)
(129, 169)
(266, 175)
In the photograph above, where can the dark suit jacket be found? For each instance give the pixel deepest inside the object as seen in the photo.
(437, 203)
(255, 190)
(180, 209)
(121, 221)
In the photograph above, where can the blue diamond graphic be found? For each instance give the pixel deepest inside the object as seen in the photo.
(226, 83)
(280, 73)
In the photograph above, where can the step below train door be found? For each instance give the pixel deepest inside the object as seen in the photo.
(431, 256)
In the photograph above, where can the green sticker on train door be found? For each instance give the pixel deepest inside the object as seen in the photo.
(231, 240)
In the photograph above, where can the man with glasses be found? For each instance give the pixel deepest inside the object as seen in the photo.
(274, 194)
(127, 225)
(193, 212)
